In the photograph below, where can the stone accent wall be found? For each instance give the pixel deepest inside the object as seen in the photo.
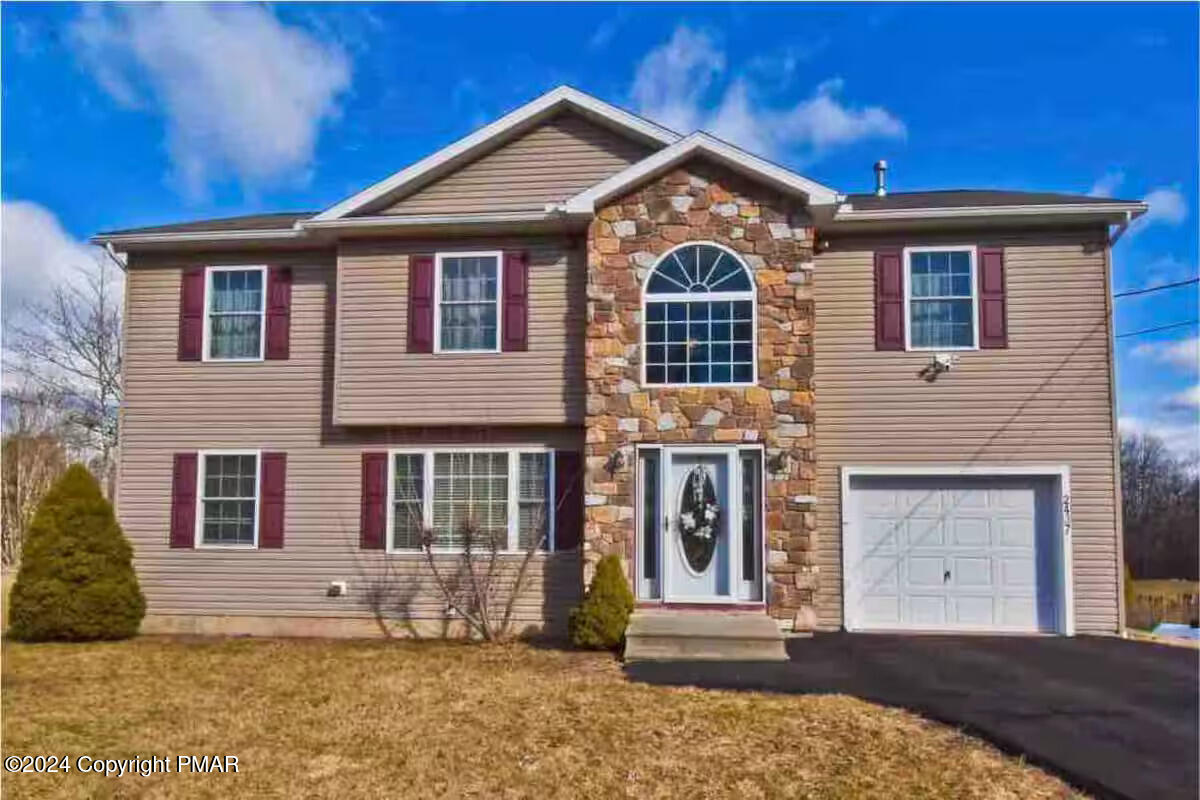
(705, 202)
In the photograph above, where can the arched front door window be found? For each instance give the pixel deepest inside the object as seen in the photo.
(699, 318)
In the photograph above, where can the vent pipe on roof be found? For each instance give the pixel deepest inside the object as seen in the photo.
(880, 178)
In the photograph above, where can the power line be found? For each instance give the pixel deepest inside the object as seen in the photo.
(1157, 288)
(1155, 330)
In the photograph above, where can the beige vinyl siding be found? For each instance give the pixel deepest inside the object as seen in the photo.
(173, 406)
(378, 382)
(1046, 399)
(550, 163)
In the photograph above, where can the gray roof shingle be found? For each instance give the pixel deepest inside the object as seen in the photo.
(250, 222)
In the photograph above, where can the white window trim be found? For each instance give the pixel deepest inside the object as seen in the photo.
(201, 458)
(514, 473)
(262, 312)
(680, 297)
(971, 250)
(437, 298)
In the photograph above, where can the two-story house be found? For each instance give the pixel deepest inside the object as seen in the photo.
(878, 411)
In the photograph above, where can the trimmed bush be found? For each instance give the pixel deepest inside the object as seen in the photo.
(599, 623)
(76, 581)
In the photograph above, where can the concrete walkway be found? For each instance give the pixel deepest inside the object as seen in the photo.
(1116, 718)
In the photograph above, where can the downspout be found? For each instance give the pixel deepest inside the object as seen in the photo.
(1120, 231)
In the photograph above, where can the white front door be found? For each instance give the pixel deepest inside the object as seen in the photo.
(698, 518)
(699, 524)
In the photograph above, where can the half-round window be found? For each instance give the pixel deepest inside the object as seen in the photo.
(699, 318)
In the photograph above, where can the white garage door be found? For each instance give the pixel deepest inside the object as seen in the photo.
(952, 553)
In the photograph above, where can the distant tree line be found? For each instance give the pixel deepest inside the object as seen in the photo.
(62, 393)
(1160, 494)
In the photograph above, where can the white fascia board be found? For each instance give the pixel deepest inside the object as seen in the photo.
(185, 237)
(525, 116)
(847, 213)
(701, 143)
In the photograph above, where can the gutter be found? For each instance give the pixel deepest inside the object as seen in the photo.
(422, 220)
(1127, 211)
(314, 229)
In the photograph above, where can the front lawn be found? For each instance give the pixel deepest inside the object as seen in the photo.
(354, 719)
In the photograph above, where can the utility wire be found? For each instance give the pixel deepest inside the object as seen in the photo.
(1157, 288)
(1155, 330)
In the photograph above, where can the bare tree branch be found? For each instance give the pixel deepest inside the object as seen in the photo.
(70, 347)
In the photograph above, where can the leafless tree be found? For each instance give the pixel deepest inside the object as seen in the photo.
(33, 455)
(69, 347)
(1161, 504)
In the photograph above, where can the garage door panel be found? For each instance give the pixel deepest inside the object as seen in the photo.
(925, 532)
(925, 611)
(883, 608)
(925, 571)
(1016, 531)
(951, 553)
(879, 533)
(972, 572)
(971, 531)
(880, 574)
(1017, 572)
(1018, 612)
(974, 611)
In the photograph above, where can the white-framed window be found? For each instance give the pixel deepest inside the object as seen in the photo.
(467, 289)
(227, 498)
(700, 319)
(235, 313)
(941, 299)
(506, 492)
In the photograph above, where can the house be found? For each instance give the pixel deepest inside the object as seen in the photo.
(877, 411)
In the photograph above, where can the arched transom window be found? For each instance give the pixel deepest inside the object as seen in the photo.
(699, 318)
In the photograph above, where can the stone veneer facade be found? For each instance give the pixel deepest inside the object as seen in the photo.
(774, 236)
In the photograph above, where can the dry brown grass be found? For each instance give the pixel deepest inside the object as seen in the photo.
(379, 719)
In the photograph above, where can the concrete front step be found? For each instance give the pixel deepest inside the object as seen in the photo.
(694, 635)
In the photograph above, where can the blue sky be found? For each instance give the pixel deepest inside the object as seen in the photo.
(122, 116)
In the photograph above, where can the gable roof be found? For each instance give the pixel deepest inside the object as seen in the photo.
(696, 144)
(503, 129)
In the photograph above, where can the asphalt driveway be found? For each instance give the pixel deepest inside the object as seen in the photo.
(1116, 718)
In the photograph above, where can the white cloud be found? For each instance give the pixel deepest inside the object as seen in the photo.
(674, 85)
(1183, 438)
(673, 80)
(1167, 205)
(36, 254)
(1182, 353)
(1107, 184)
(1188, 400)
(241, 91)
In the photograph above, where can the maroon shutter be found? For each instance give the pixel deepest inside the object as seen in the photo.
(191, 314)
(271, 500)
(374, 501)
(568, 499)
(279, 312)
(183, 501)
(889, 300)
(516, 302)
(993, 312)
(420, 304)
